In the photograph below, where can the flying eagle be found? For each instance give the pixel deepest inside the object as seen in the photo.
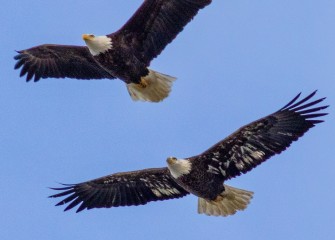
(124, 54)
(202, 175)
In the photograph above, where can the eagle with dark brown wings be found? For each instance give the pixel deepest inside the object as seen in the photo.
(203, 175)
(124, 54)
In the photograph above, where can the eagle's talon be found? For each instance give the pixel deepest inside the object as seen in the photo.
(143, 83)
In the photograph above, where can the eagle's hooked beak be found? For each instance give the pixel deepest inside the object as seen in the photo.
(87, 37)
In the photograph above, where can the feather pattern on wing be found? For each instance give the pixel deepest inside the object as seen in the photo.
(155, 24)
(256, 142)
(121, 189)
(58, 61)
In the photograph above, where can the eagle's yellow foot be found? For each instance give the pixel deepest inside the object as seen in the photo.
(143, 83)
(218, 199)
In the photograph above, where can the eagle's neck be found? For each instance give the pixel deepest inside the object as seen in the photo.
(99, 44)
(178, 167)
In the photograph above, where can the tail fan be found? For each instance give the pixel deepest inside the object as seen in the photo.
(153, 88)
(227, 203)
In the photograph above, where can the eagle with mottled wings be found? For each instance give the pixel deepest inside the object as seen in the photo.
(203, 175)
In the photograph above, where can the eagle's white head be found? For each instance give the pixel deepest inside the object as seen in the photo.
(178, 167)
(97, 44)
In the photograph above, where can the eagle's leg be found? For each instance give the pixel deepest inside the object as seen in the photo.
(143, 83)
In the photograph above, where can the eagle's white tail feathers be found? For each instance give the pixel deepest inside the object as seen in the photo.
(158, 87)
(228, 202)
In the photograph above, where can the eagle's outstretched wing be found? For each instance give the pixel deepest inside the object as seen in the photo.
(121, 189)
(254, 143)
(155, 24)
(58, 61)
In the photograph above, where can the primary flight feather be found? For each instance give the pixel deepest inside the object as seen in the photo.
(124, 54)
(202, 175)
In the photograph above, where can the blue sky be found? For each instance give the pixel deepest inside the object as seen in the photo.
(236, 62)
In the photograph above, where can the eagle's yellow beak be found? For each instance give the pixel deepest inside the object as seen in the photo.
(87, 37)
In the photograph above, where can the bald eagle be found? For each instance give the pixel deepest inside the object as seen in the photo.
(202, 175)
(124, 54)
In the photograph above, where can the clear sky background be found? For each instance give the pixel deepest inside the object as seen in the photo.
(236, 62)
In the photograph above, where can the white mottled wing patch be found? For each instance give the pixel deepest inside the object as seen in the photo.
(121, 189)
(256, 142)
